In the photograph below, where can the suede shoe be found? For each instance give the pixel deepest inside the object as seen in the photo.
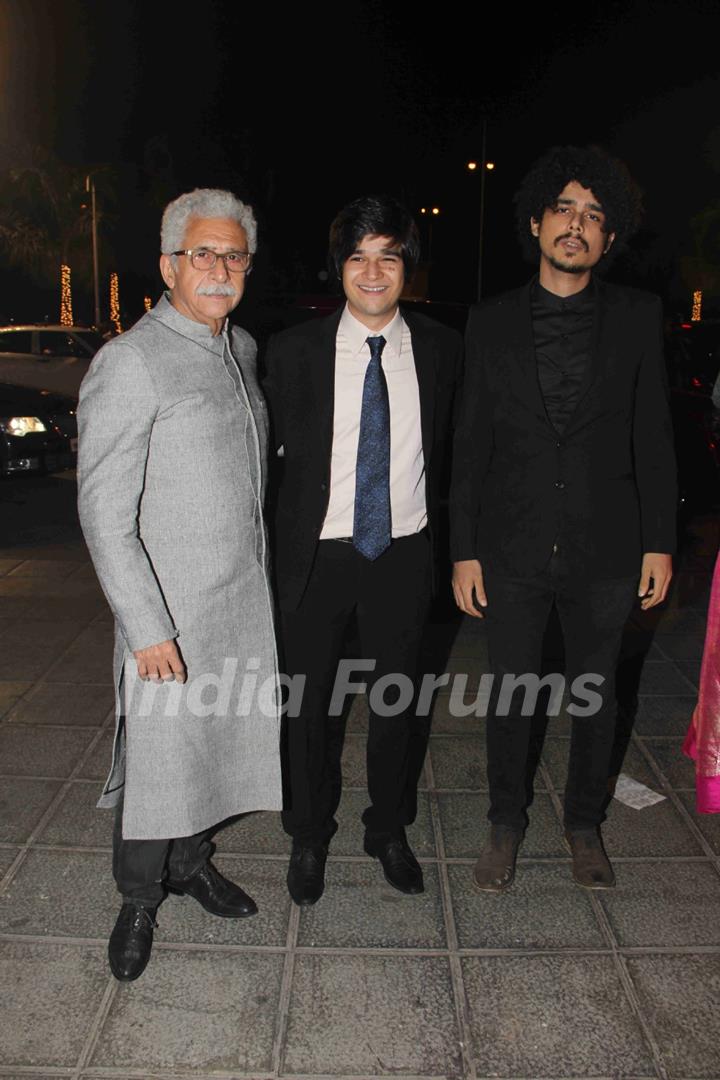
(131, 941)
(306, 874)
(400, 867)
(215, 893)
(495, 869)
(590, 865)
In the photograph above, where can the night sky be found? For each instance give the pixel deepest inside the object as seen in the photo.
(301, 107)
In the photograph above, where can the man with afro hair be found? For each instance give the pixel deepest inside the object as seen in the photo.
(564, 490)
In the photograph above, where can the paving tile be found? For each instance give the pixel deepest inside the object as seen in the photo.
(22, 804)
(654, 831)
(551, 1016)
(663, 678)
(41, 751)
(652, 901)
(64, 704)
(448, 717)
(259, 833)
(57, 609)
(7, 858)
(62, 894)
(89, 659)
(543, 909)
(678, 995)
(708, 824)
(664, 715)
(182, 919)
(555, 758)
(6, 565)
(459, 762)
(690, 669)
(682, 646)
(354, 770)
(377, 1016)
(348, 840)
(678, 770)
(44, 1022)
(34, 646)
(360, 910)
(97, 765)
(10, 693)
(54, 569)
(71, 592)
(357, 720)
(78, 822)
(465, 826)
(194, 1011)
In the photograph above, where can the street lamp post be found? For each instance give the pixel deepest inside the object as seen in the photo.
(485, 167)
(90, 188)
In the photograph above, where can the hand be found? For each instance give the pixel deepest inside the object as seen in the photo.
(657, 568)
(160, 662)
(468, 587)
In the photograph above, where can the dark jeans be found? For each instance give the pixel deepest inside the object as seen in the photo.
(389, 599)
(139, 866)
(592, 616)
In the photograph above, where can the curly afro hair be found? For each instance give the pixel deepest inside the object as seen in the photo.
(605, 176)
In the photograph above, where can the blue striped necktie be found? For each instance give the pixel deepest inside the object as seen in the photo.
(372, 529)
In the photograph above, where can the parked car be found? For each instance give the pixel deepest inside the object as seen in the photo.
(51, 358)
(38, 431)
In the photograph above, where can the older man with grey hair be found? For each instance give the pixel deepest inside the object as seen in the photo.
(171, 472)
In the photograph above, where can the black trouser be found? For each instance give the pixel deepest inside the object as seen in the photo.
(389, 598)
(139, 866)
(592, 616)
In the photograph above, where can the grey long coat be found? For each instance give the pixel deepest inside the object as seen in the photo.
(173, 433)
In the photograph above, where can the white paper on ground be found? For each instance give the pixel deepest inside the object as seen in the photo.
(633, 793)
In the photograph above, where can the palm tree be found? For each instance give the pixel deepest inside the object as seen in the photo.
(45, 222)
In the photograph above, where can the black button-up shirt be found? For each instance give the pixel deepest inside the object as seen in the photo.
(563, 330)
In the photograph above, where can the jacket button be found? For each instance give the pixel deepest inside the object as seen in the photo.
(559, 445)
(559, 485)
(323, 487)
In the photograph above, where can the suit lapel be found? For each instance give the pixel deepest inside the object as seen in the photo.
(424, 357)
(320, 362)
(522, 340)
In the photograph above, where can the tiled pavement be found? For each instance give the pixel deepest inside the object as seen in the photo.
(544, 981)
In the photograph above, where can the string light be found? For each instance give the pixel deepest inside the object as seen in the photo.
(115, 303)
(147, 301)
(697, 306)
(66, 312)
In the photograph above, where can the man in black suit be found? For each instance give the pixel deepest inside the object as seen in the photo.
(563, 488)
(360, 403)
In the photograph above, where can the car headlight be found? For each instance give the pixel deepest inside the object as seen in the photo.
(21, 425)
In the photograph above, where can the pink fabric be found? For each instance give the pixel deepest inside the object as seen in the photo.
(702, 742)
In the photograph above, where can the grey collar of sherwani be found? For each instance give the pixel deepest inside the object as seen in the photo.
(189, 328)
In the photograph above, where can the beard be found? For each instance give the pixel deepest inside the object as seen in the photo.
(569, 267)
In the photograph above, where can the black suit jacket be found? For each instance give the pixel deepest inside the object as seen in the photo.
(300, 386)
(606, 487)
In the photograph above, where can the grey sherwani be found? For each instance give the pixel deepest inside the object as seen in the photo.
(173, 432)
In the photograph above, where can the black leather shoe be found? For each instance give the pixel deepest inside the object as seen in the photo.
(401, 868)
(306, 874)
(215, 893)
(131, 941)
(590, 865)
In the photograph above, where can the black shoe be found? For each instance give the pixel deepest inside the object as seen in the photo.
(401, 868)
(215, 893)
(131, 941)
(306, 874)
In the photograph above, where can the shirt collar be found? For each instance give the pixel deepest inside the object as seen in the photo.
(575, 302)
(356, 333)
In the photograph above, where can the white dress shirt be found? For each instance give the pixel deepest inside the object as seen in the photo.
(407, 464)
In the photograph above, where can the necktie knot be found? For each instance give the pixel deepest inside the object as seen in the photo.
(377, 344)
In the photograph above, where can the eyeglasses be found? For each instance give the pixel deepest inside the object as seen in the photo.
(236, 262)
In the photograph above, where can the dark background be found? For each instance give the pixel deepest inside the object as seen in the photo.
(299, 108)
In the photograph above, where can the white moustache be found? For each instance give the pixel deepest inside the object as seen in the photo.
(215, 290)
